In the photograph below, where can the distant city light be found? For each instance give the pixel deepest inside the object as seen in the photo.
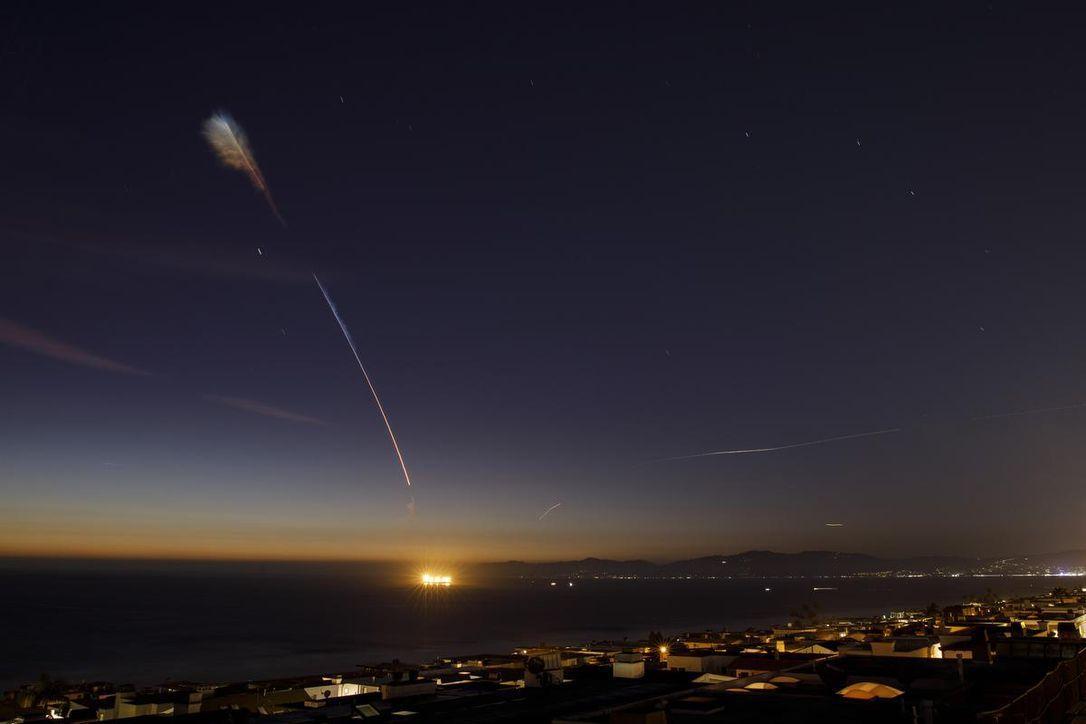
(429, 579)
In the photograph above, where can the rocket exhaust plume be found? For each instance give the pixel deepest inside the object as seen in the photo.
(229, 143)
(783, 447)
(369, 383)
(548, 510)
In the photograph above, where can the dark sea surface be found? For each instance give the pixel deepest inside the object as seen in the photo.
(145, 623)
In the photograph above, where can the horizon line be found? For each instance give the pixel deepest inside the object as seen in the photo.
(105, 558)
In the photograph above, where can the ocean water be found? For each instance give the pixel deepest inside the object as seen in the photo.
(146, 623)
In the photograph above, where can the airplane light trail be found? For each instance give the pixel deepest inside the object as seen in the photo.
(548, 510)
(369, 383)
(1037, 411)
(978, 418)
(783, 447)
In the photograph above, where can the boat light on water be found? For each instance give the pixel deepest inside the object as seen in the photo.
(429, 579)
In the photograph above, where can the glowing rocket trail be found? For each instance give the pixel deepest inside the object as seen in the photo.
(229, 143)
(783, 447)
(548, 510)
(1029, 412)
(369, 383)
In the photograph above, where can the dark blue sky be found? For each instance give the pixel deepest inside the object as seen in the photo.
(569, 241)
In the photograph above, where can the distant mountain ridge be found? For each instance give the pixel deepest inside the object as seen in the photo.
(754, 564)
(770, 564)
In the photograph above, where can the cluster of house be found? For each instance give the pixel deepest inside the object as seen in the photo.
(977, 630)
(989, 661)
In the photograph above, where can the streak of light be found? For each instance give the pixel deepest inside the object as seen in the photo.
(548, 510)
(366, 376)
(835, 525)
(809, 443)
(1038, 411)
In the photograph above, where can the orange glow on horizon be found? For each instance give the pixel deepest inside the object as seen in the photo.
(164, 531)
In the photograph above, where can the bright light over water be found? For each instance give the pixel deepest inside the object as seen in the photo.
(429, 579)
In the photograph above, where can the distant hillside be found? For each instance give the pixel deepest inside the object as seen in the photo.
(769, 564)
(1052, 562)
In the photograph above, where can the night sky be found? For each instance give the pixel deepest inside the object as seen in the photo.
(570, 239)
